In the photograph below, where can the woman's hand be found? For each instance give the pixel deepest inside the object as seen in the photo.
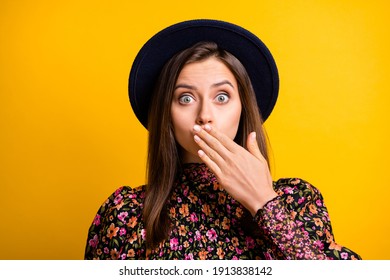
(244, 174)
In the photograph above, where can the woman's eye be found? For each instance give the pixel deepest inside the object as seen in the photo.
(222, 98)
(185, 99)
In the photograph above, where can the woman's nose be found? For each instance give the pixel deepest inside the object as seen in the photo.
(205, 114)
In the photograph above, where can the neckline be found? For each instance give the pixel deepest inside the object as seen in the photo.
(197, 170)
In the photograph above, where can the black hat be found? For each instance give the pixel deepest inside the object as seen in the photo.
(241, 43)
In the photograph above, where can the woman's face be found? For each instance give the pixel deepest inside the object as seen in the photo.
(206, 92)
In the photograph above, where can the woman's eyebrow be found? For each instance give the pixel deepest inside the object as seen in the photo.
(185, 86)
(224, 82)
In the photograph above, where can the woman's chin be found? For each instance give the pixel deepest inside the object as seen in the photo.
(191, 158)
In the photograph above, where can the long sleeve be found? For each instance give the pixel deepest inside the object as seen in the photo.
(116, 231)
(297, 223)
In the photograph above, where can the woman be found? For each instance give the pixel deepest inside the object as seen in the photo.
(209, 194)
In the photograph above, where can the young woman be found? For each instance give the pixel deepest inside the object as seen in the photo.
(202, 89)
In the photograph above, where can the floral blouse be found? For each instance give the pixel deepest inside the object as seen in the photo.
(206, 219)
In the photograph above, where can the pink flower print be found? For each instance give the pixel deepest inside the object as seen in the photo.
(190, 256)
(96, 221)
(288, 190)
(211, 234)
(174, 244)
(319, 244)
(301, 200)
(193, 217)
(118, 199)
(280, 216)
(289, 235)
(267, 256)
(94, 242)
(238, 251)
(122, 231)
(122, 216)
(143, 234)
(198, 237)
(344, 255)
(326, 215)
(299, 255)
(118, 191)
(250, 243)
(319, 202)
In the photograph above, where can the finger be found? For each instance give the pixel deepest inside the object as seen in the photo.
(210, 152)
(224, 140)
(211, 142)
(211, 164)
(253, 146)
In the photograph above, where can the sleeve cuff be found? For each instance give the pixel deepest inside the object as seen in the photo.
(266, 208)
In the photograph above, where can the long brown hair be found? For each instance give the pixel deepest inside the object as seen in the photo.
(163, 152)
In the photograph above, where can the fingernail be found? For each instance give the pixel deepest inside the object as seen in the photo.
(253, 135)
(207, 127)
(196, 138)
(197, 128)
(201, 153)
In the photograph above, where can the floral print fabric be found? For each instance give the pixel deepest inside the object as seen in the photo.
(207, 224)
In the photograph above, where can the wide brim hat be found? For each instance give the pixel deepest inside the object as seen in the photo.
(241, 43)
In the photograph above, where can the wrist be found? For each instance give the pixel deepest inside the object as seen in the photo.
(263, 201)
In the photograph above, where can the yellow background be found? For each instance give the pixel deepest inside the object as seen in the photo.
(69, 138)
